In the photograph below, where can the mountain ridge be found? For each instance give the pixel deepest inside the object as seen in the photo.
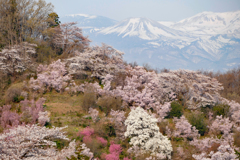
(198, 41)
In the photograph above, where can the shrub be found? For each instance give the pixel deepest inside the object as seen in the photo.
(197, 119)
(107, 103)
(176, 110)
(89, 99)
(237, 139)
(221, 109)
(13, 93)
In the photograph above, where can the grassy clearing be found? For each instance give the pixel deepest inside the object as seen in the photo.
(66, 110)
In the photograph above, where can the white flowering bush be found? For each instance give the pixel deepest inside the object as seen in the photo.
(144, 132)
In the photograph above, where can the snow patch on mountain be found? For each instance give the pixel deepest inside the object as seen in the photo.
(167, 23)
(82, 15)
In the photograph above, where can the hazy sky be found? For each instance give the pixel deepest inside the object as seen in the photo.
(159, 10)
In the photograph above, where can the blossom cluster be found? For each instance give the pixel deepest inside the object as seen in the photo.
(33, 142)
(54, 76)
(17, 58)
(144, 133)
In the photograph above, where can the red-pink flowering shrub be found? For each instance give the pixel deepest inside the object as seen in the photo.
(86, 133)
(126, 158)
(102, 141)
(112, 156)
(115, 150)
(87, 139)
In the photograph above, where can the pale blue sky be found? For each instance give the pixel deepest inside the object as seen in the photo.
(159, 10)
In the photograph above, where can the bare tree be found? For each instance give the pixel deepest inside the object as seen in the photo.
(69, 37)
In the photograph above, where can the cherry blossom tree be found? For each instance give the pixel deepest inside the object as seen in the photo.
(100, 61)
(54, 76)
(221, 125)
(33, 142)
(31, 109)
(224, 152)
(184, 129)
(8, 118)
(198, 90)
(17, 58)
(118, 118)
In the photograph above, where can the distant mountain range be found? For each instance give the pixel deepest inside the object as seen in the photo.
(208, 40)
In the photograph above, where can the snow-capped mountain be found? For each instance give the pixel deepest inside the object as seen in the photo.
(143, 28)
(210, 23)
(207, 40)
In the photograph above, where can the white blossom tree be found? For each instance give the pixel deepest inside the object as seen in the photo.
(17, 58)
(34, 142)
(100, 61)
(144, 132)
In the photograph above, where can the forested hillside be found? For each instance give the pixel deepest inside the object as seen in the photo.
(62, 99)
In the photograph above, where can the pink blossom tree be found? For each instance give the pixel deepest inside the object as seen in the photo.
(31, 109)
(184, 129)
(54, 76)
(8, 118)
